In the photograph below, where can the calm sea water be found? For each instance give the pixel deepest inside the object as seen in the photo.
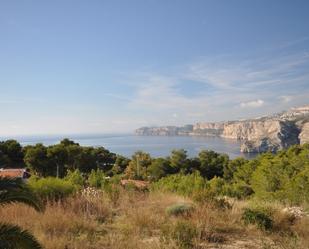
(126, 144)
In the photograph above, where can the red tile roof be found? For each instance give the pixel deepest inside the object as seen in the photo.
(14, 173)
(137, 183)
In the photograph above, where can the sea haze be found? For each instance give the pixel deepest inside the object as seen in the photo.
(157, 146)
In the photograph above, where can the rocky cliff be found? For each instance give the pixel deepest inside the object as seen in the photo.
(269, 133)
(304, 134)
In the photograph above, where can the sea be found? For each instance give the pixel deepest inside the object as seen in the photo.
(156, 146)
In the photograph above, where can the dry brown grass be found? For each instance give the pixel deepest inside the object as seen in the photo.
(139, 220)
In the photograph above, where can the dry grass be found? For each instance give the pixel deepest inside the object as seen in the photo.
(139, 220)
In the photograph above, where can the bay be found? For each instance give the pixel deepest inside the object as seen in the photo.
(157, 146)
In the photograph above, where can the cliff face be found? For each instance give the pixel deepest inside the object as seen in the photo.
(251, 130)
(269, 133)
(270, 136)
(258, 135)
(304, 134)
(157, 131)
(164, 131)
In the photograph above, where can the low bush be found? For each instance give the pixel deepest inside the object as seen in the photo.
(208, 197)
(183, 209)
(181, 184)
(203, 196)
(258, 217)
(217, 186)
(240, 190)
(113, 193)
(75, 177)
(184, 233)
(52, 188)
(96, 178)
(221, 203)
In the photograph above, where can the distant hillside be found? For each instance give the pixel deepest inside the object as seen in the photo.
(268, 133)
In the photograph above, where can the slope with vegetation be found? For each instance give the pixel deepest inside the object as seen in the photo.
(208, 201)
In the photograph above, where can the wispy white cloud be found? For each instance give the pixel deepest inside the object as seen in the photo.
(232, 87)
(229, 73)
(252, 104)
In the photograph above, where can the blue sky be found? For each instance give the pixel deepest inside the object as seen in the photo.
(74, 66)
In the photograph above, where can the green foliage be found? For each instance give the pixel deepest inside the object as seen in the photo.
(121, 163)
(298, 187)
(180, 209)
(178, 161)
(96, 178)
(181, 184)
(239, 190)
(75, 178)
(11, 154)
(66, 156)
(284, 176)
(74, 152)
(51, 188)
(159, 168)
(58, 156)
(217, 186)
(103, 158)
(214, 187)
(113, 192)
(138, 166)
(244, 172)
(36, 159)
(232, 166)
(209, 197)
(212, 163)
(258, 217)
(67, 142)
(203, 196)
(184, 233)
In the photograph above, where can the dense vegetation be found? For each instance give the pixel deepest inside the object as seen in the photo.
(283, 176)
(191, 202)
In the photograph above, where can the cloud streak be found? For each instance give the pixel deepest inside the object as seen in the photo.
(252, 104)
(231, 87)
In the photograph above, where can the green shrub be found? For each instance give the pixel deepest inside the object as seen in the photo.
(52, 188)
(96, 178)
(181, 184)
(113, 193)
(75, 177)
(240, 190)
(116, 179)
(221, 203)
(207, 196)
(178, 209)
(298, 187)
(283, 177)
(258, 217)
(217, 186)
(203, 196)
(184, 233)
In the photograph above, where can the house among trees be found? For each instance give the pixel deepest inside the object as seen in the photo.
(15, 173)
